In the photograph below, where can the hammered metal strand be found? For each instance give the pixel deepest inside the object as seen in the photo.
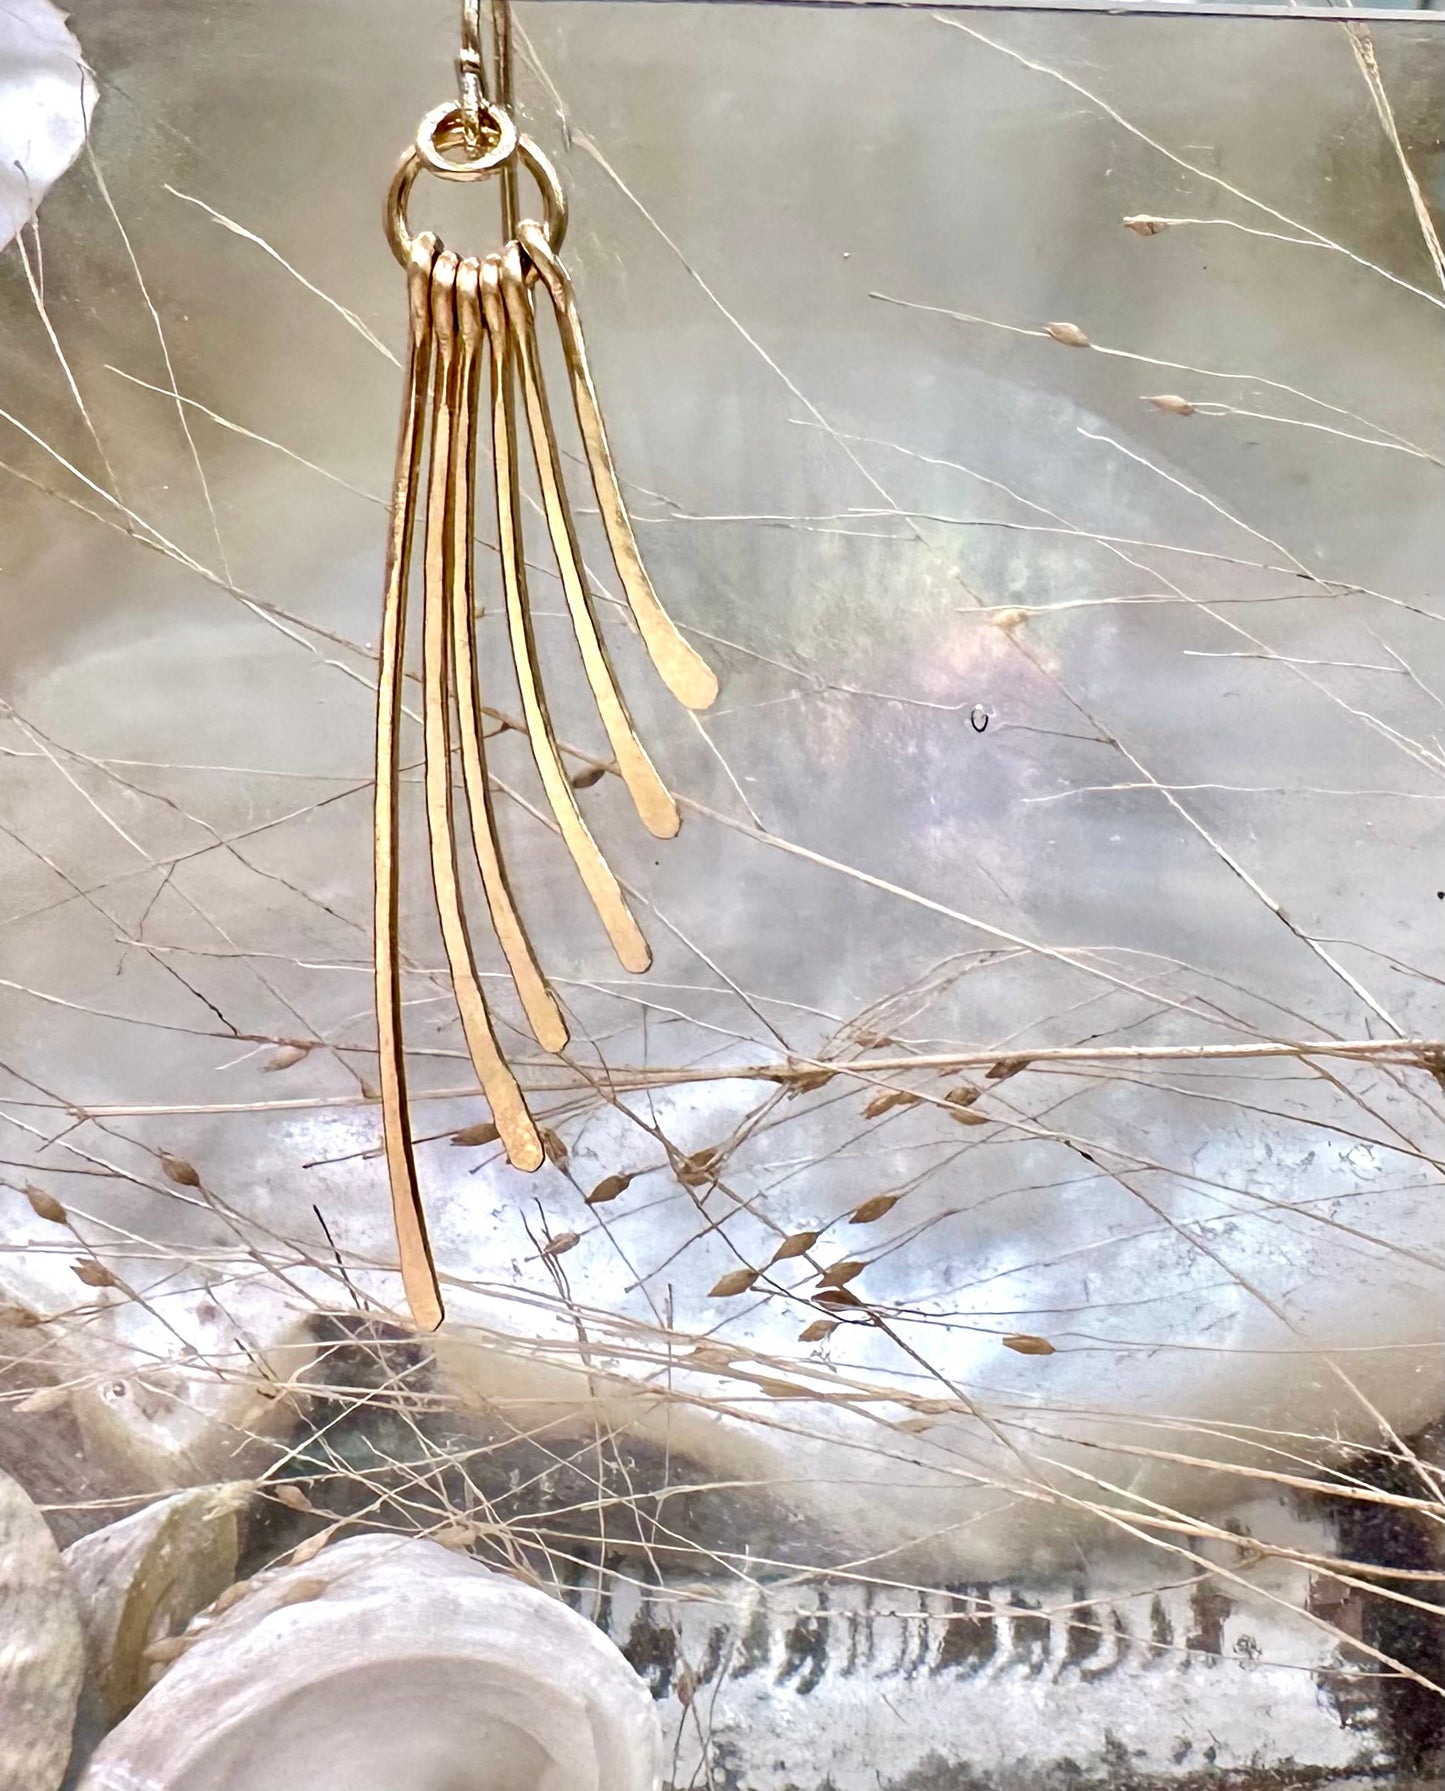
(538, 1002)
(414, 1251)
(597, 875)
(685, 673)
(460, 313)
(654, 805)
(509, 1111)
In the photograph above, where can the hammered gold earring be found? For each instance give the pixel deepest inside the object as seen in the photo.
(468, 317)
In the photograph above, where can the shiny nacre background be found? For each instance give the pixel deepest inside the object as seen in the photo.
(1204, 808)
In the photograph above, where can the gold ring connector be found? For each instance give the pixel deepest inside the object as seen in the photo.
(442, 129)
(446, 128)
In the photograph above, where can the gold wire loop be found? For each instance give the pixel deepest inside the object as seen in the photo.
(554, 200)
(445, 127)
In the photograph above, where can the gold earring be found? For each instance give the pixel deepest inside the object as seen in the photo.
(466, 314)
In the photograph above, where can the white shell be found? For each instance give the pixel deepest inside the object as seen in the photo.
(390, 1661)
(144, 1578)
(45, 106)
(42, 1655)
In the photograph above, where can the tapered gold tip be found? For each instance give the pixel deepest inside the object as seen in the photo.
(427, 1311)
(634, 954)
(691, 680)
(659, 813)
(525, 1152)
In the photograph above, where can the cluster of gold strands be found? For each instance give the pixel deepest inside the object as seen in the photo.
(474, 319)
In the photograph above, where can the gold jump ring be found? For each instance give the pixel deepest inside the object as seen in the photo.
(446, 128)
(442, 129)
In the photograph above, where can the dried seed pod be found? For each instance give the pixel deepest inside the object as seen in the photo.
(1068, 333)
(178, 1170)
(841, 1273)
(608, 1189)
(45, 1206)
(818, 1330)
(286, 1057)
(874, 1208)
(836, 1296)
(232, 1595)
(298, 1592)
(736, 1281)
(964, 1094)
(457, 1535)
(552, 1145)
(42, 1653)
(961, 1100)
(888, 1099)
(92, 1273)
(1171, 402)
(1008, 619)
(44, 1399)
(587, 776)
(803, 1078)
(784, 1389)
(392, 1662)
(561, 1244)
(699, 1168)
(142, 1580)
(483, 1133)
(714, 1355)
(1004, 1068)
(1027, 1344)
(1143, 225)
(312, 1546)
(290, 1494)
(799, 1244)
(18, 1318)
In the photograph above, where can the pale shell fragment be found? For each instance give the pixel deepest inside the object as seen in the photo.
(141, 1580)
(413, 1667)
(42, 1655)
